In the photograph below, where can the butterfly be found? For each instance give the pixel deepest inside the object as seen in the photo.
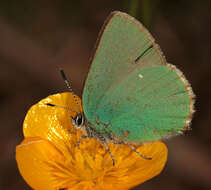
(131, 94)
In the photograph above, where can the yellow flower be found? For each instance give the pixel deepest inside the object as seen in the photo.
(49, 159)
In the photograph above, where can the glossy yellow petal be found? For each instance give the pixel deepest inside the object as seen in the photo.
(52, 123)
(36, 159)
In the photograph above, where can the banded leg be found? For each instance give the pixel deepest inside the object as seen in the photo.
(133, 149)
(107, 148)
(79, 141)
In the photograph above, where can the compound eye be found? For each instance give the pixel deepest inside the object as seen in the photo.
(78, 121)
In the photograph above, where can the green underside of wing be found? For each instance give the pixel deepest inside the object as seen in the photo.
(149, 107)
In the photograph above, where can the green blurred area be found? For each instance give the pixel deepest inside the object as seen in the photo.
(38, 37)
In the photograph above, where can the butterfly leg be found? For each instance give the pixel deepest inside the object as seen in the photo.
(79, 141)
(107, 148)
(133, 149)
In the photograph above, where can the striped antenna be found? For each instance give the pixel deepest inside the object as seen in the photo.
(69, 87)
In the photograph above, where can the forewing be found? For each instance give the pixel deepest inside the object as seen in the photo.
(121, 41)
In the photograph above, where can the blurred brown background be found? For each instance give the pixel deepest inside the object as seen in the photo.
(38, 37)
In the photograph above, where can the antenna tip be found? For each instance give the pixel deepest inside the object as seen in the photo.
(63, 74)
(49, 104)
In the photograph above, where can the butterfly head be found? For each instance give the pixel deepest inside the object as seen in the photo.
(78, 121)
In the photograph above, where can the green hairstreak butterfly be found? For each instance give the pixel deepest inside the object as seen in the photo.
(131, 94)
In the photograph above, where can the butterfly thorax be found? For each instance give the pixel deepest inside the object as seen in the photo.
(95, 131)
